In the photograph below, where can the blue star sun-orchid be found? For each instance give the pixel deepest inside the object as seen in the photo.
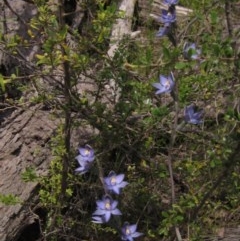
(129, 232)
(86, 153)
(165, 85)
(167, 17)
(192, 116)
(190, 51)
(170, 2)
(163, 31)
(85, 158)
(105, 208)
(114, 182)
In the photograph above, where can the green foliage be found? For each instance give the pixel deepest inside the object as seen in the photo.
(138, 135)
(9, 199)
(29, 175)
(51, 185)
(102, 24)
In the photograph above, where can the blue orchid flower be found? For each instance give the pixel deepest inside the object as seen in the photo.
(84, 167)
(114, 182)
(105, 208)
(98, 219)
(129, 232)
(86, 153)
(170, 2)
(85, 158)
(190, 51)
(192, 116)
(163, 31)
(166, 84)
(168, 17)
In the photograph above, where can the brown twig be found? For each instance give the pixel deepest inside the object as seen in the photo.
(170, 157)
(67, 111)
(228, 17)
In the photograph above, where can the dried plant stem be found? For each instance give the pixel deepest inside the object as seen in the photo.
(228, 18)
(67, 111)
(170, 157)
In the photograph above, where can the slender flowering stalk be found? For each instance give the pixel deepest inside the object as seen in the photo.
(114, 182)
(192, 116)
(129, 232)
(165, 85)
(105, 208)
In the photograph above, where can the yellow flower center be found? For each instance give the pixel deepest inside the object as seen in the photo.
(167, 84)
(107, 205)
(87, 152)
(113, 180)
(128, 231)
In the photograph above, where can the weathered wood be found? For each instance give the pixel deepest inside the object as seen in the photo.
(154, 8)
(224, 234)
(23, 143)
(121, 28)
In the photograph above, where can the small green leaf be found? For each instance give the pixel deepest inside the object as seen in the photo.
(2, 83)
(166, 52)
(181, 65)
(29, 175)
(13, 76)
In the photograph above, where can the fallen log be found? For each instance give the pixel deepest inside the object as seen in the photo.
(24, 138)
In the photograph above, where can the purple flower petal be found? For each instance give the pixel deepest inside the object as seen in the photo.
(116, 212)
(81, 161)
(98, 219)
(116, 190)
(123, 184)
(157, 85)
(99, 212)
(132, 228)
(105, 208)
(136, 234)
(85, 158)
(190, 51)
(114, 204)
(107, 216)
(114, 182)
(100, 204)
(166, 84)
(163, 31)
(119, 178)
(168, 17)
(129, 232)
(170, 2)
(192, 116)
